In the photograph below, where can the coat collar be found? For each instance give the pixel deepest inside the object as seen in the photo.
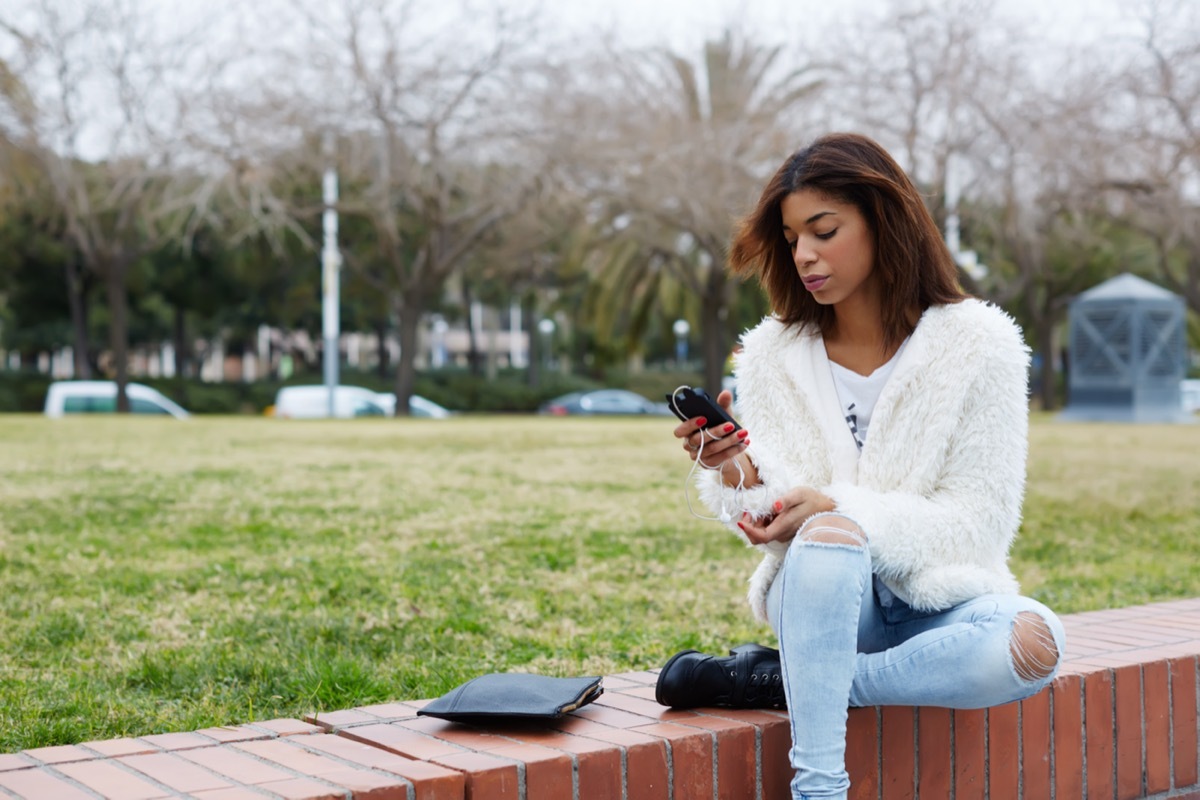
(807, 367)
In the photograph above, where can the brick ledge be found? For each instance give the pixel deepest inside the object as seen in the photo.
(1119, 722)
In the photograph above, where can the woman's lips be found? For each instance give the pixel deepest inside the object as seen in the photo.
(814, 282)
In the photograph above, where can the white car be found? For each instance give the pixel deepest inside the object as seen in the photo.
(312, 402)
(100, 397)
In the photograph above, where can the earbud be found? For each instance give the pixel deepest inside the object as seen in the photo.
(725, 517)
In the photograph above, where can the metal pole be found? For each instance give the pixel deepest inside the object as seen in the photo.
(967, 260)
(331, 263)
(514, 331)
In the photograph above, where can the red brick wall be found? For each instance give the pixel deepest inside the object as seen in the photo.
(1120, 722)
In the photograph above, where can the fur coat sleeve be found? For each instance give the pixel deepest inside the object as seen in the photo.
(939, 484)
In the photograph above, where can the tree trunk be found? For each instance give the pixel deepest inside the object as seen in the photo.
(77, 301)
(473, 359)
(1044, 334)
(714, 313)
(712, 341)
(118, 330)
(179, 340)
(492, 367)
(381, 331)
(529, 317)
(406, 372)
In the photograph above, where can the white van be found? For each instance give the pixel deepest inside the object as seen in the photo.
(100, 397)
(312, 402)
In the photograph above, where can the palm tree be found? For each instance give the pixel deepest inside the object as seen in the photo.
(680, 153)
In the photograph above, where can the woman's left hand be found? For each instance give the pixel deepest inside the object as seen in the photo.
(789, 513)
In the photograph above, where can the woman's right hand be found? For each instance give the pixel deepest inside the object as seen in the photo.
(715, 446)
(788, 515)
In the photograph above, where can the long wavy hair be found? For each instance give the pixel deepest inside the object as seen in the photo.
(912, 263)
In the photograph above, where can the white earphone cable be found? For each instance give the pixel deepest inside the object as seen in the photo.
(724, 516)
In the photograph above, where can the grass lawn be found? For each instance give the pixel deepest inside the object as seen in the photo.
(164, 576)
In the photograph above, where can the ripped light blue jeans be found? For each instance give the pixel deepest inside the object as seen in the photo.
(846, 640)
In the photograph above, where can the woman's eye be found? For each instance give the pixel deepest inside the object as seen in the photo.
(791, 243)
(828, 235)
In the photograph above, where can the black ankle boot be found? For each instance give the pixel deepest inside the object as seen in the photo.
(749, 677)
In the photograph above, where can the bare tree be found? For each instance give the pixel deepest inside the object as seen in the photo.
(1022, 132)
(1162, 184)
(914, 76)
(97, 122)
(1039, 209)
(422, 103)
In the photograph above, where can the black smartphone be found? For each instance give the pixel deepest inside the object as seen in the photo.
(689, 403)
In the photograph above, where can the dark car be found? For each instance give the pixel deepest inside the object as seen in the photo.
(603, 401)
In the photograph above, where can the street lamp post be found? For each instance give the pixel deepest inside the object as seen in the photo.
(438, 356)
(546, 328)
(681, 329)
(331, 264)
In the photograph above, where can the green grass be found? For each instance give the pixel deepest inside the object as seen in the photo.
(164, 576)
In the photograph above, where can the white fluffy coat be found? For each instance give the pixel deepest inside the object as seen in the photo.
(939, 483)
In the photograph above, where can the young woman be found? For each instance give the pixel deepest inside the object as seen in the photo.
(885, 479)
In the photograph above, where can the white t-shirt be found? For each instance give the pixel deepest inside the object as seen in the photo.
(858, 394)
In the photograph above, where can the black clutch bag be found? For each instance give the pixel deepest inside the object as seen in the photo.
(514, 695)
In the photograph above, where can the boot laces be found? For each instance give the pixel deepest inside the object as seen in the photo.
(766, 688)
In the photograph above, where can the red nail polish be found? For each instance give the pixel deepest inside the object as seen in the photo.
(779, 505)
(728, 427)
(700, 422)
(743, 527)
(742, 434)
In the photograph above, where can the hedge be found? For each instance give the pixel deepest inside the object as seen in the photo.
(459, 390)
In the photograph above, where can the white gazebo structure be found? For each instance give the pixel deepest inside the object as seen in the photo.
(1128, 353)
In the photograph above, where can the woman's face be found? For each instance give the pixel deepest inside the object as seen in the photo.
(831, 246)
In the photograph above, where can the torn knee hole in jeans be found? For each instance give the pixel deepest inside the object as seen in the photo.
(1034, 651)
(827, 534)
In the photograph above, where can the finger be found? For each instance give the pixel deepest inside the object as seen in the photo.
(713, 452)
(754, 533)
(757, 529)
(725, 400)
(727, 449)
(720, 449)
(791, 499)
(783, 528)
(781, 506)
(696, 444)
(719, 432)
(685, 429)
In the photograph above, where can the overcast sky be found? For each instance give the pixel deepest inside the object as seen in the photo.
(685, 23)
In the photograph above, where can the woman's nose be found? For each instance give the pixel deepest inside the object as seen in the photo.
(803, 255)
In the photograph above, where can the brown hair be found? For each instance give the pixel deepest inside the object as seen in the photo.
(912, 263)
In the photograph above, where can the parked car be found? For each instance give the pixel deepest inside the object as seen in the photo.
(100, 397)
(603, 401)
(312, 402)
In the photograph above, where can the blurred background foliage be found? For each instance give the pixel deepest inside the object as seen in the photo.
(161, 182)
